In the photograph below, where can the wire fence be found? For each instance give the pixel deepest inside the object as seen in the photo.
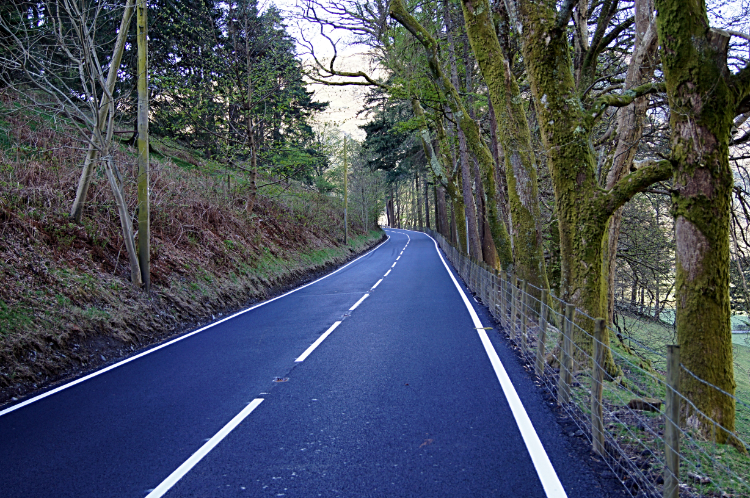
(624, 396)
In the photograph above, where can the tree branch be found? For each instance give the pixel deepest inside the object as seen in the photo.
(612, 35)
(625, 98)
(648, 173)
(563, 15)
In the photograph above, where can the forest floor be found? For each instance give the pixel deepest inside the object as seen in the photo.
(66, 302)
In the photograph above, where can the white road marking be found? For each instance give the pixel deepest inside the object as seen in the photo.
(359, 302)
(544, 469)
(386, 273)
(398, 258)
(394, 264)
(315, 344)
(203, 451)
(376, 284)
(169, 343)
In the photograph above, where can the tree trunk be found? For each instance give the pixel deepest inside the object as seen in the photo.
(472, 225)
(92, 155)
(704, 97)
(427, 202)
(475, 247)
(416, 197)
(629, 132)
(253, 190)
(501, 199)
(459, 218)
(520, 168)
(125, 224)
(454, 230)
(441, 212)
(583, 207)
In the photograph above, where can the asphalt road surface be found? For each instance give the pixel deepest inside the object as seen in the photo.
(377, 380)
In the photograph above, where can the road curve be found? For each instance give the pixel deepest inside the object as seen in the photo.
(373, 381)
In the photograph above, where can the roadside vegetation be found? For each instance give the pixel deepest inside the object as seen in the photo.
(67, 304)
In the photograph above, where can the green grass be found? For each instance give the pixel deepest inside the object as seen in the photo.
(13, 317)
(657, 338)
(739, 322)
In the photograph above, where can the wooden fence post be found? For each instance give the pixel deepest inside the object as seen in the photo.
(672, 425)
(524, 321)
(597, 387)
(493, 294)
(542, 335)
(503, 298)
(514, 293)
(566, 362)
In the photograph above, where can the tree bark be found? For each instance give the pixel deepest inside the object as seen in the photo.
(475, 247)
(427, 202)
(629, 132)
(704, 97)
(583, 207)
(475, 244)
(416, 197)
(441, 212)
(505, 96)
(92, 155)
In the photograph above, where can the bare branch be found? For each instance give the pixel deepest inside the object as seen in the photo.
(625, 98)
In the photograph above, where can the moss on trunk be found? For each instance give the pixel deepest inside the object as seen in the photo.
(476, 145)
(513, 127)
(703, 97)
(583, 207)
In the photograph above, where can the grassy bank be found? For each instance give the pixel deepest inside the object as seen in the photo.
(66, 303)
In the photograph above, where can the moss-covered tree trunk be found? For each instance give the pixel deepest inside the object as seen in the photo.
(520, 163)
(475, 245)
(583, 207)
(438, 163)
(469, 127)
(704, 98)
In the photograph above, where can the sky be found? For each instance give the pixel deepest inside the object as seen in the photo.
(345, 101)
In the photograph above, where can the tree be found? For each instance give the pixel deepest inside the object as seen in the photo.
(704, 97)
(449, 93)
(60, 53)
(566, 124)
(515, 137)
(630, 120)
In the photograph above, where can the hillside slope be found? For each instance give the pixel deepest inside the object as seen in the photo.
(66, 303)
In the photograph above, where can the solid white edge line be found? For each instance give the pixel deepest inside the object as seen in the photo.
(178, 339)
(359, 302)
(315, 344)
(544, 469)
(196, 457)
(386, 273)
(376, 284)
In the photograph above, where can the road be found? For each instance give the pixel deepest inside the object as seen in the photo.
(377, 380)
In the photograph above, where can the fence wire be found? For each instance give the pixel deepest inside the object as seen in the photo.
(629, 423)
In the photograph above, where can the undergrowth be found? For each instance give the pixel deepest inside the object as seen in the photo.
(66, 303)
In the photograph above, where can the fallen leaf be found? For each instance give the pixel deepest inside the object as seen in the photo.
(426, 442)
